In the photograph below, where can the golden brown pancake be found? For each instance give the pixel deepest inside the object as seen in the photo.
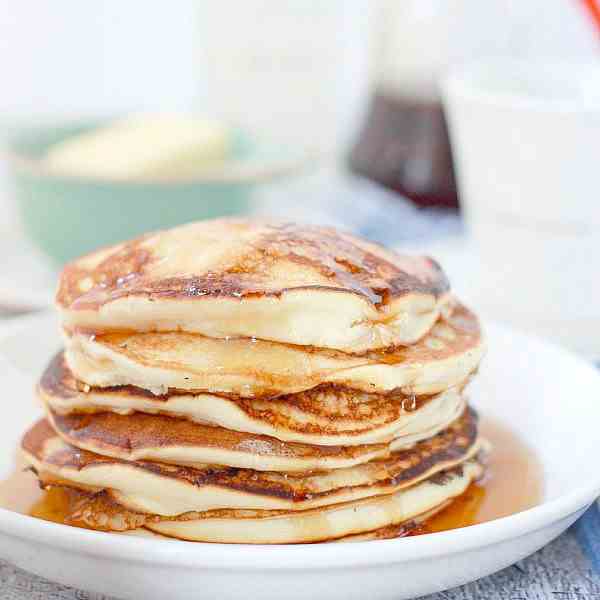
(142, 436)
(161, 362)
(169, 490)
(177, 441)
(325, 415)
(283, 282)
(322, 524)
(99, 511)
(336, 522)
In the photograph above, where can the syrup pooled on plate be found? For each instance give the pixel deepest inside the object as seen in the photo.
(497, 495)
(21, 493)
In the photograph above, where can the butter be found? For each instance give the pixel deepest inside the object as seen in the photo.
(145, 146)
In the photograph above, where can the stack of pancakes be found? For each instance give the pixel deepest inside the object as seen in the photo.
(249, 382)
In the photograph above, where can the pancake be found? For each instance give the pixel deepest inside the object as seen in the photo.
(296, 284)
(177, 441)
(357, 519)
(160, 362)
(141, 436)
(169, 490)
(326, 415)
(99, 511)
(322, 524)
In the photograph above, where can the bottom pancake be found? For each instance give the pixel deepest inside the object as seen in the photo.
(413, 527)
(373, 518)
(99, 512)
(329, 523)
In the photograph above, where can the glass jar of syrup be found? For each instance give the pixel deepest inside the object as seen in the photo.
(404, 143)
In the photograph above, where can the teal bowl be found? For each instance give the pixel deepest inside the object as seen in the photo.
(67, 216)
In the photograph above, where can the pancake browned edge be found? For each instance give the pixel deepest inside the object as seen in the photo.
(169, 490)
(283, 282)
(180, 442)
(327, 415)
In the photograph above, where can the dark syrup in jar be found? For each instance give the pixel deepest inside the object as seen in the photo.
(404, 146)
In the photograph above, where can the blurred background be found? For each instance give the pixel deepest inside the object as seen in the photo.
(122, 117)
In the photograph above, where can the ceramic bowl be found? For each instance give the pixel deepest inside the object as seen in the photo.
(66, 216)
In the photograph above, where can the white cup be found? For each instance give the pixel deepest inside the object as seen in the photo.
(526, 145)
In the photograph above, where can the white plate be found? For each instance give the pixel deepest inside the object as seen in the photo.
(545, 394)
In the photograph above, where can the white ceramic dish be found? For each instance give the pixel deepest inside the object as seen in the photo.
(545, 394)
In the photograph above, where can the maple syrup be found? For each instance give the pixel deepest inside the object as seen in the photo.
(500, 493)
(503, 490)
(21, 493)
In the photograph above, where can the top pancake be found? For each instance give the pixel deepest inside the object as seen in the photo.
(304, 285)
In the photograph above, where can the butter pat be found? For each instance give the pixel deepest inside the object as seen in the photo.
(150, 146)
